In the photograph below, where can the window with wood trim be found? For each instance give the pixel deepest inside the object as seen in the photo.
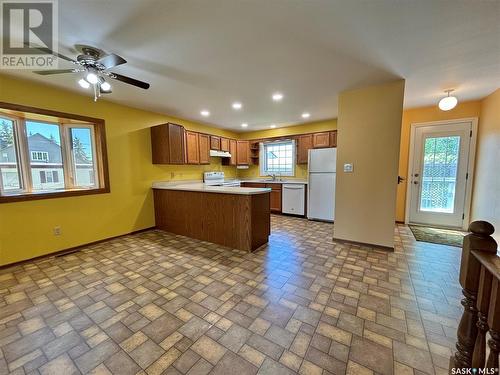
(44, 155)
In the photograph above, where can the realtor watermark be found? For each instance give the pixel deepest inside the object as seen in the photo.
(474, 371)
(29, 34)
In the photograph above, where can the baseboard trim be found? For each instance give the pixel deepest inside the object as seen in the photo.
(71, 250)
(379, 247)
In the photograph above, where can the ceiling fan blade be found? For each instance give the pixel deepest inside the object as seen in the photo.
(130, 81)
(105, 92)
(58, 71)
(50, 52)
(111, 60)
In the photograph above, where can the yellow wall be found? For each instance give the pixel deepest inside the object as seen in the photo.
(310, 127)
(26, 227)
(424, 114)
(369, 126)
(486, 192)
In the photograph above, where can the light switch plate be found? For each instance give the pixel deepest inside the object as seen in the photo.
(348, 168)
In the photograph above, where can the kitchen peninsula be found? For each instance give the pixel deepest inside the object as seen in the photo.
(236, 217)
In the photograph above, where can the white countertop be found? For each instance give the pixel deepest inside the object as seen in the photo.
(286, 181)
(201, 187)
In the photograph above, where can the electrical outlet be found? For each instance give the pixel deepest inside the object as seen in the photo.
(348, 168)
(57, 231)
(172, 174)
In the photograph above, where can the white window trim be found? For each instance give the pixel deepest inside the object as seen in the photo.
(41, 152)
(69, 153)
(263, 160)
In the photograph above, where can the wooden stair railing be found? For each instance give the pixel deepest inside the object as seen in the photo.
(480, 281)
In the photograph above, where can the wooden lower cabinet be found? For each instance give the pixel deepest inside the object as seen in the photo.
(234, 220)
(275, 197)
(204, 147)
(253, 184)
(192, 148)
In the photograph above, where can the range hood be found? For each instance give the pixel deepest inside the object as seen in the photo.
(220, 154)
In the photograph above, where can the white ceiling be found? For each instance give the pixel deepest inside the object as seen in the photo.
(200, 54)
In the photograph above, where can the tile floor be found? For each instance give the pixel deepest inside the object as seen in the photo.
(155, 303)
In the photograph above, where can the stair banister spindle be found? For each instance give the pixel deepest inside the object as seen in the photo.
(470, 268)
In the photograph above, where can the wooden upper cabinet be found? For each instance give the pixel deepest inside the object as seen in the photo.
(167, 144)
(321, 140)
(304, 143)
(224, 144)
(214, 142)
(192, 148)
(333, 138)
(242, 153)
(233, 151)
(204, 148)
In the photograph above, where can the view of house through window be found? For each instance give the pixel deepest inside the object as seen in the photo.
(38, 156)
(44, 144)
(277, 158)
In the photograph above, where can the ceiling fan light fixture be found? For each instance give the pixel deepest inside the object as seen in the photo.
(105, 86)
(92, 78)
(448, 102)
(84, 83)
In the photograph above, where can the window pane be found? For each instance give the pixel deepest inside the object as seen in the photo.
(278, 158)
(439, 177)
(83, 157)
(46, 162)
(8, 157)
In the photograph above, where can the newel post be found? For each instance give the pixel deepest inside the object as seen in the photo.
(470, 269)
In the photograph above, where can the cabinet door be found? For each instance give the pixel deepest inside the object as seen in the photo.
(233, 151)
(214, 142)
(167, 144)
(243, 153)
(304, 144)
(253, 184)
(192, 148)
(321, 140)
(204, 147)
(224, 144)
(176, 143)
(275, 197)
(333, 139)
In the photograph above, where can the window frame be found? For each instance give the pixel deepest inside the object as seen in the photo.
(263, 157)
(20, 115)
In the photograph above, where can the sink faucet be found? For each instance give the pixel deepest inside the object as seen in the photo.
(273, 176)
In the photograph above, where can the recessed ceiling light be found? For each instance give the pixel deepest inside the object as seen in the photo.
(277, 96)
(306, 115)
(448, 102)
(273, 126)
(205, 113)
(237, 105)
(244, 125)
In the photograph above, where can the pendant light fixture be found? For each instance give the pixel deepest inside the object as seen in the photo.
(448, 102)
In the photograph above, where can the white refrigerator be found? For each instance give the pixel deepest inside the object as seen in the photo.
(321, 186)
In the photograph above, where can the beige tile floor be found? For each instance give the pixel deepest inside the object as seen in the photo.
(155, 303)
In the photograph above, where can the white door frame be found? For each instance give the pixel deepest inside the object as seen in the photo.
(470, 166)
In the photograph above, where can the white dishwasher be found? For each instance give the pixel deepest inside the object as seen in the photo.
(293, 200)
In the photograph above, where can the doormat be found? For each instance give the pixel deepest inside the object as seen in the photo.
(438, 235)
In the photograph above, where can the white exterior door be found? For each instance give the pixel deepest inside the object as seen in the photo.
(439, 174)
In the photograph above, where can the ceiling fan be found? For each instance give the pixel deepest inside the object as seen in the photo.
(94, 64)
